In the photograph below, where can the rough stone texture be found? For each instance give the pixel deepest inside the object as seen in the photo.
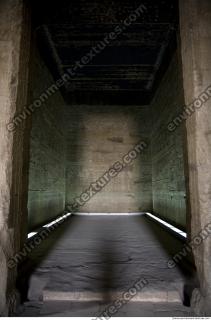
(14, 58)
(168, 179)
(97, 138)
(91, 309)
(105, 255)
(46, 197)
(195, 26)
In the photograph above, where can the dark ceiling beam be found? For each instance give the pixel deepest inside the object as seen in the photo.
(148, 25)
(112, 77)
(51, 44)
(123, 98)
(102, 77)
(118, 75)
(60, 44)
(144, 66)
(120, 85)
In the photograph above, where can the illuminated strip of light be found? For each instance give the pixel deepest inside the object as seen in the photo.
(57, 220)
(31, 234)
(168, 225)
(157, 296)
(108, 213)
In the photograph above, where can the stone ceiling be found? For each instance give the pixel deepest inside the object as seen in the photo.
(130, 66)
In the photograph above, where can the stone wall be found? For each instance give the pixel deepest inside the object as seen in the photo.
(195, 28)
(168, 179)
(46, 198)
(14, 66)
(97, 138)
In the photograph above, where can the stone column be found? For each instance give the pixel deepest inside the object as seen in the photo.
(195, 30)
(14, 61)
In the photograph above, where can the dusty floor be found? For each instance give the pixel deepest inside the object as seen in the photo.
(90, 261)
(85, 309)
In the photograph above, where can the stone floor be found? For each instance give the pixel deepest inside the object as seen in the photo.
(86, 265)
(92, 309)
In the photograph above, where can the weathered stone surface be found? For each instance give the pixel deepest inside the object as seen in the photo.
(46, 197)
(168, 179)
(98, 137)
(195, 26)
(3, 281)
(14, 59)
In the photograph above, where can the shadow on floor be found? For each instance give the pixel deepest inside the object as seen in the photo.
(39, 254)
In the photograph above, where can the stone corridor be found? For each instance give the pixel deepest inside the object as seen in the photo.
(105, 107)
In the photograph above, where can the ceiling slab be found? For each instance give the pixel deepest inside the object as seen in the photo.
(129, 68)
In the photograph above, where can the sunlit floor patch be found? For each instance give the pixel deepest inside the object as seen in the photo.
(32, 234)
(168, 225)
